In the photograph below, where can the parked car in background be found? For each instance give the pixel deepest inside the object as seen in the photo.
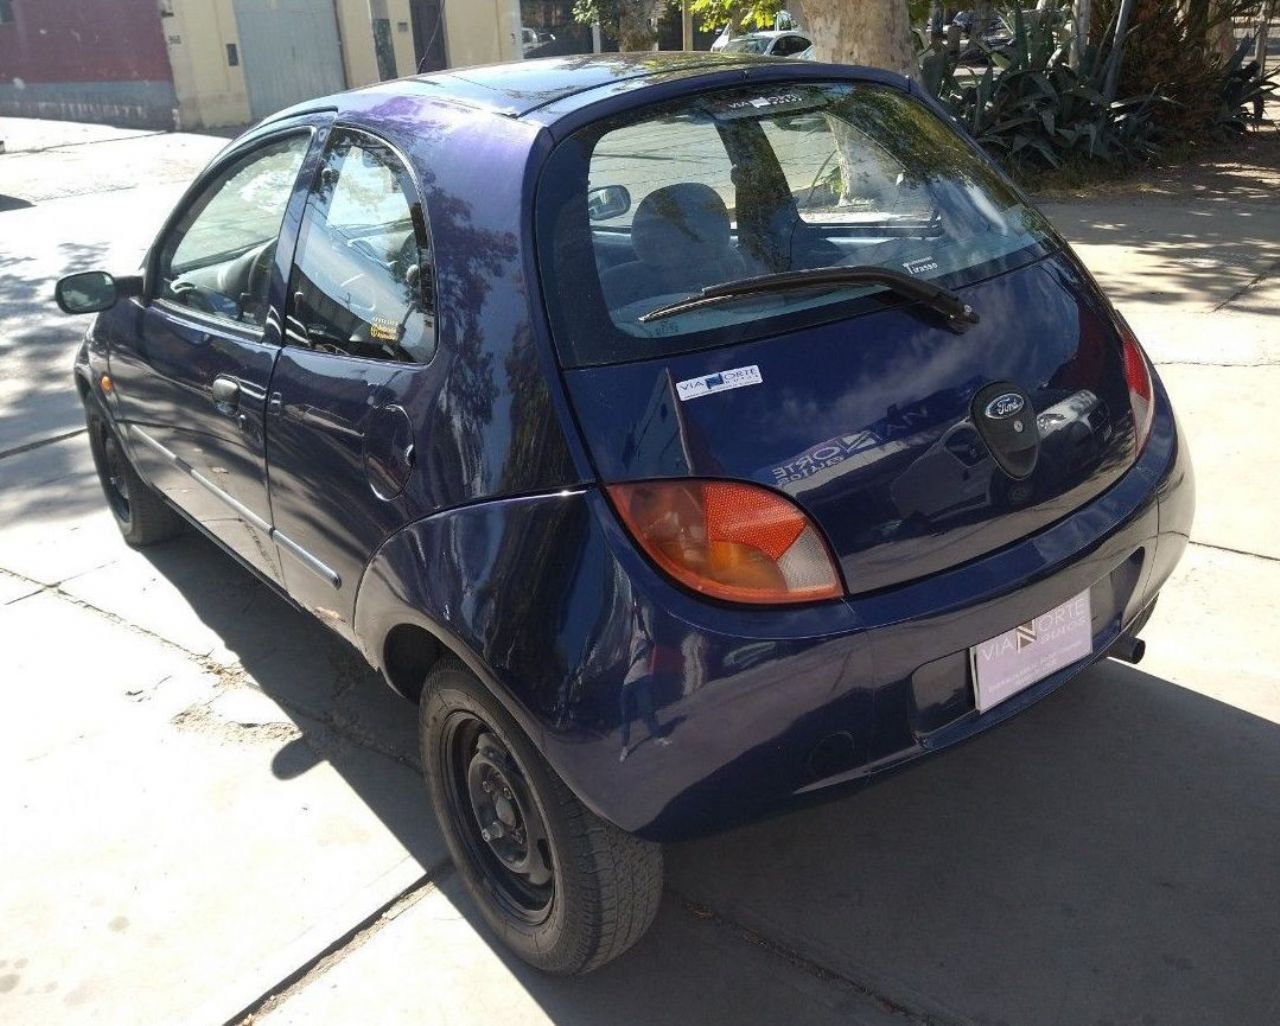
(770, 44)
(976, 43)
(691, 437)
(532, 42)
(782, 22)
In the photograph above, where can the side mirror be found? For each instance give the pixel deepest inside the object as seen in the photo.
(607, 201)
(93, 291)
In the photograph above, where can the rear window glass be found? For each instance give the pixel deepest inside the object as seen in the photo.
(647, 210)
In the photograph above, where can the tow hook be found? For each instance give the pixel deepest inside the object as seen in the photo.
(1128, 649)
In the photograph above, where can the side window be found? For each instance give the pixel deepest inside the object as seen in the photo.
(362, 282)
(218, 258)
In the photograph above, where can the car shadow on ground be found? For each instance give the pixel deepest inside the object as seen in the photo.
(1106, 857)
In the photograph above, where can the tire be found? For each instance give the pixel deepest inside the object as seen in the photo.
(141, 515)
(602, 885)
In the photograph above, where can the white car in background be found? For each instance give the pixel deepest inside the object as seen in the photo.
(769, 44)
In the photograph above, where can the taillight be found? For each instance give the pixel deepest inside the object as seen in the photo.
(733, 541)
(1137, 374)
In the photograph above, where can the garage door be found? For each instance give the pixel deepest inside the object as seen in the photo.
(290, 52)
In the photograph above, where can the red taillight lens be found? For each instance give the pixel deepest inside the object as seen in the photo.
(737, 542)
(1137, 373)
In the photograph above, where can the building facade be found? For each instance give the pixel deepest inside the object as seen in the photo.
(208, 63)
(99, 61)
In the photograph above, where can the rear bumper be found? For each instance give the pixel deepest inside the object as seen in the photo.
(763, 710)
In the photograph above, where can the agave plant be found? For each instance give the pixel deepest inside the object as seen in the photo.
(1243, 89)
(1033, 111)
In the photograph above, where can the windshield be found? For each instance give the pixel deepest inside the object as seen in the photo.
(748, 44)
(645, 211)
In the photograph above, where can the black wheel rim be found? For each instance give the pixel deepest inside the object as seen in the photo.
(114, 475)
(499, 819)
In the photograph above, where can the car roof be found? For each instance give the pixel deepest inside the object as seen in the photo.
(518, 88)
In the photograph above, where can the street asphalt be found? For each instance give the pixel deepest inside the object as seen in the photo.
(211, 809)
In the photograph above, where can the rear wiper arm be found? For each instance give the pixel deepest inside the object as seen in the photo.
(960, 316)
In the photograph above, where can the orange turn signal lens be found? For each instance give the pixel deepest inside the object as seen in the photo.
(732, 541)
(1137, 374)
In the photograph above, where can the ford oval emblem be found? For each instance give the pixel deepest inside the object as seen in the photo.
(1004, 406)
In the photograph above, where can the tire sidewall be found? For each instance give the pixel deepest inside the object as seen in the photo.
(551, 944)
(99, 427)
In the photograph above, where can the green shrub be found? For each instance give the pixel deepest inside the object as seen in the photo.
(1033, 112)
(1242, 90)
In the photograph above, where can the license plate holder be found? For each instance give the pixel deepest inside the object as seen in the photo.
(1011, 662)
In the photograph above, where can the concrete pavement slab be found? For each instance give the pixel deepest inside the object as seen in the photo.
(138, 834)
(50, 543)
(430, 964)
(132, 587)
(193, 595)
(27, 471)
(1215, 630)
(1224, 412)
(1192, 255)
(106, 164)
(24, 135)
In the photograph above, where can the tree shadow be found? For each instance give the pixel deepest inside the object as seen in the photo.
(1195, 254)
(38, 344)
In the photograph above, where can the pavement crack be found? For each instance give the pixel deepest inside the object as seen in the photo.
(234, 675)
(85, 142)
(1236, 552)
(908, 1016)
(16, 450)
(333, 953)
(1262, 276)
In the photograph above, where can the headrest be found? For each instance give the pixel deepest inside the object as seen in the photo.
(679, 225)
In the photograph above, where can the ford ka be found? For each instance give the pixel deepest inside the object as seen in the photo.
(690, 437)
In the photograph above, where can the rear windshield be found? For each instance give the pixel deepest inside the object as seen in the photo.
(639, 212)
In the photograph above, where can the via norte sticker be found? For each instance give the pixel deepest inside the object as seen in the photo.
(739, 377)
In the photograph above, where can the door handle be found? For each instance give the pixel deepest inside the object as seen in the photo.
(226, 391)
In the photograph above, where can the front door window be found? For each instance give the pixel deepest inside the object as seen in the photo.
(217, 260)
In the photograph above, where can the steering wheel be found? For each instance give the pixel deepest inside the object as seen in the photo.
(406, 259)
(258, 280)
(188, 293)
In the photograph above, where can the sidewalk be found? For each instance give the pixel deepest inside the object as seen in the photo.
(213, 813)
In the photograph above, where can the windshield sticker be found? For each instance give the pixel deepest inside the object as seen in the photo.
(922, 265)
(774, 103)
(739, 377)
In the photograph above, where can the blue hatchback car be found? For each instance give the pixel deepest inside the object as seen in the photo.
(690, 436)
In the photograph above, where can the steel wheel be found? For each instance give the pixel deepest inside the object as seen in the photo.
(565, 890)
(499, 818)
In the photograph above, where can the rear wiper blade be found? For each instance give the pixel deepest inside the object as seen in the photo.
(960, 316)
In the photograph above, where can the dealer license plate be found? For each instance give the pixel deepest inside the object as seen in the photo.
(1016, 659)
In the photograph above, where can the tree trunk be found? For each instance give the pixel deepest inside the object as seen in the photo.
(872, 32)
(636, 20)
(1223, 35)
(735, 20)
(1082, 11)
(1115, 60)
(1260, 52)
